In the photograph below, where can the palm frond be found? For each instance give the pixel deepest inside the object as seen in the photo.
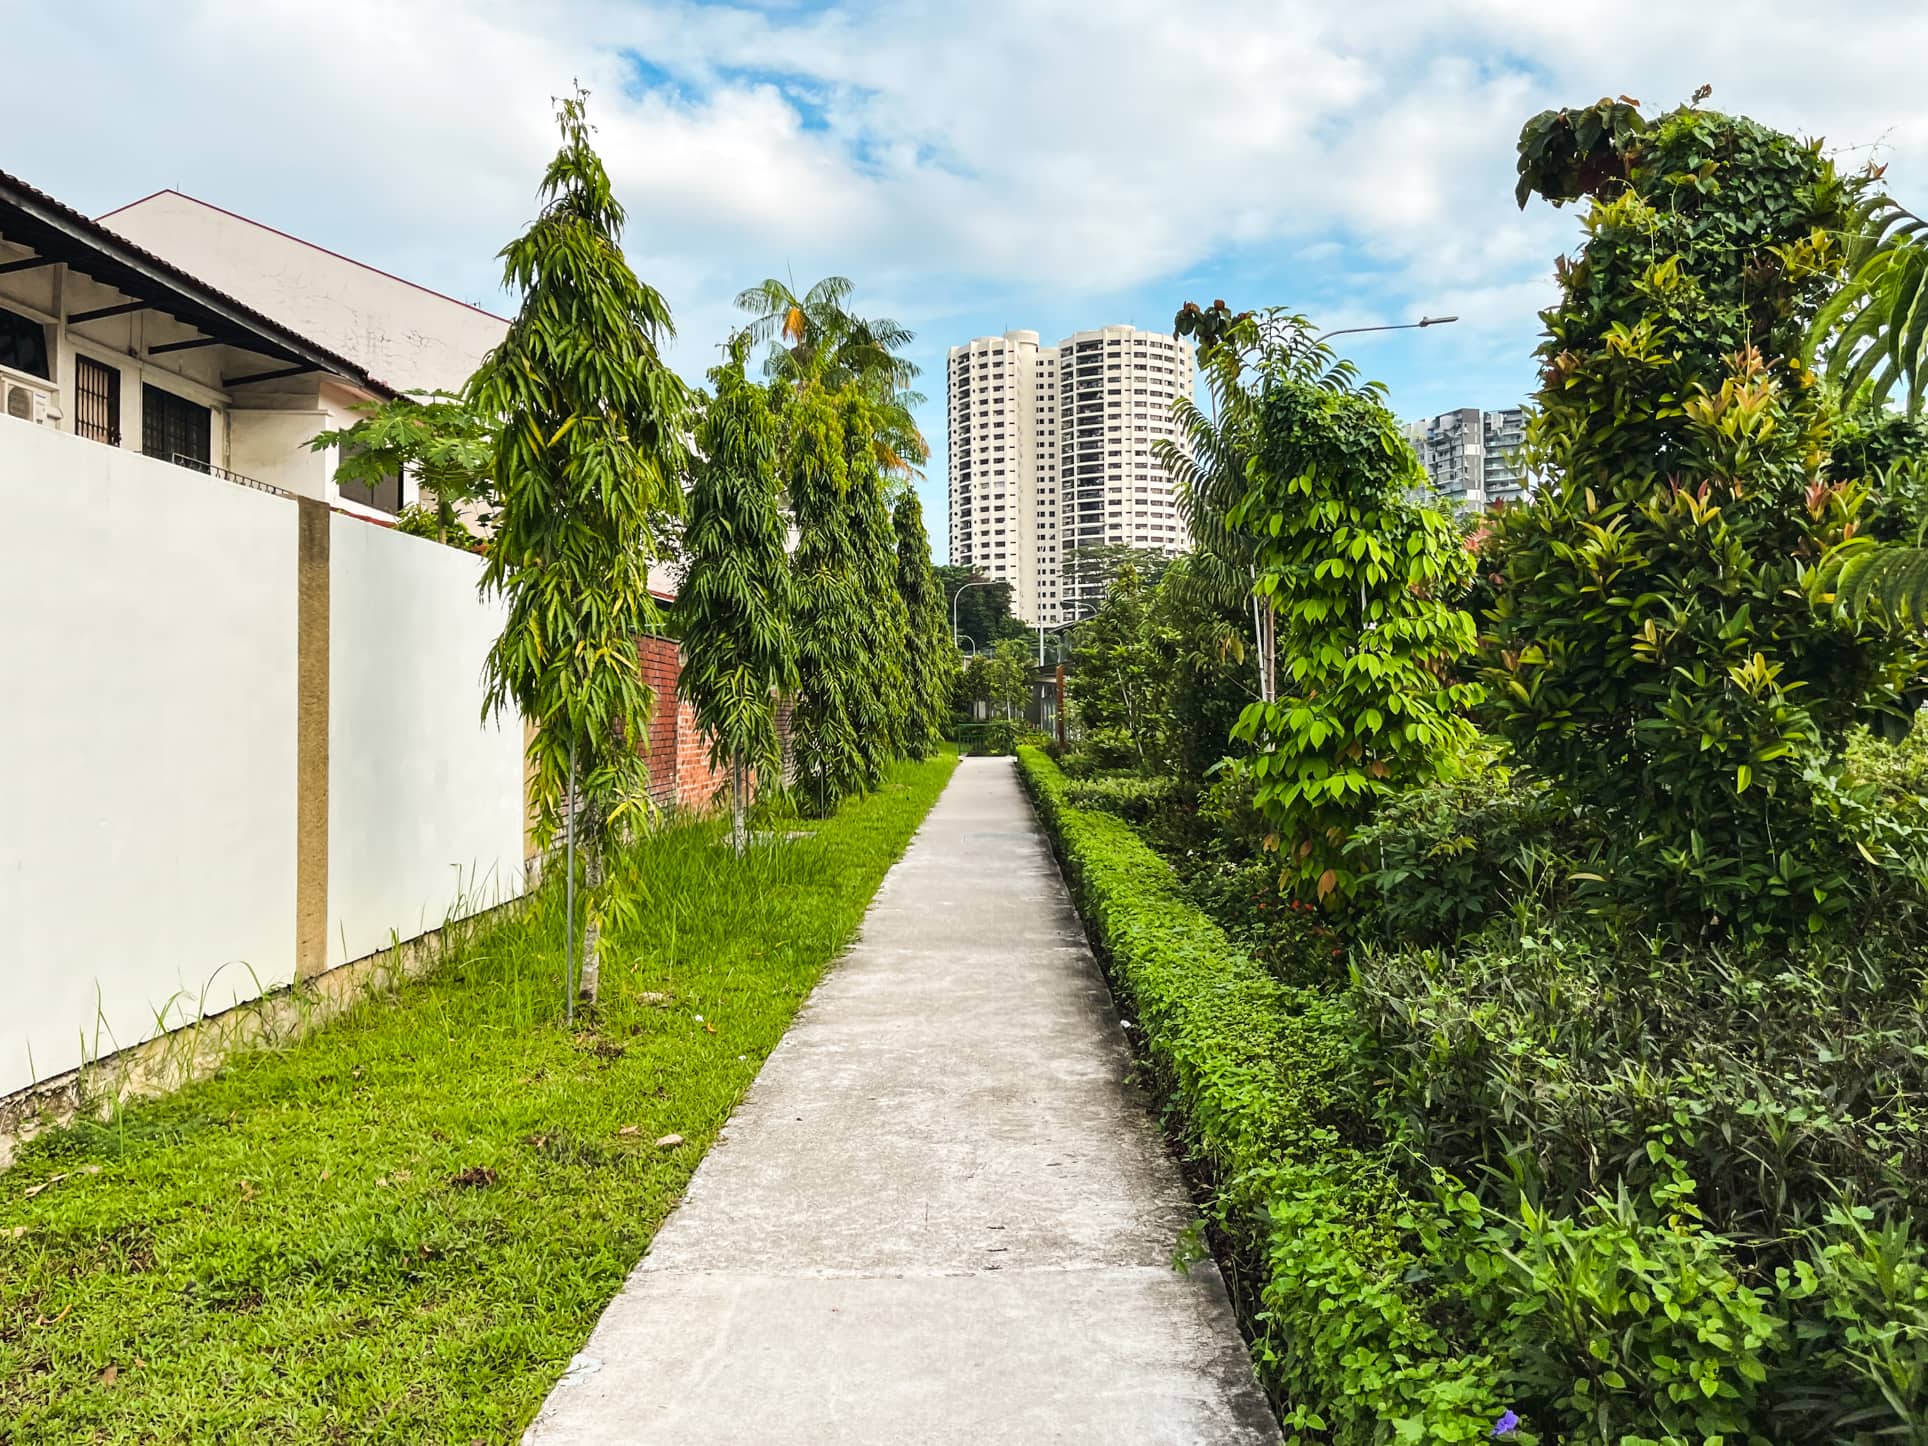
(1873, 332)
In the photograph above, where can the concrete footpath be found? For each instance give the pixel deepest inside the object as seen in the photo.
(940, 1215)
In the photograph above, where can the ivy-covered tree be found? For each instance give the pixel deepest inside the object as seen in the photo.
(1660, 645)
(1362, 580)
(589, 458)
(734, 605)
(881, 692)
(930, 659)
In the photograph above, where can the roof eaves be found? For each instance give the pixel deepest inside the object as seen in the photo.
(83, 229)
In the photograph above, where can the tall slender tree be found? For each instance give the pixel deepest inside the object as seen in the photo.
(930, 658)
(589, 460)
(882, 692)
(734, 607)
(830, 658)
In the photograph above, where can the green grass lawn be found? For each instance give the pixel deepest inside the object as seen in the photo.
(402, 1227)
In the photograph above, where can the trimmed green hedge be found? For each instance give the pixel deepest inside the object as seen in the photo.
(1256, 1074)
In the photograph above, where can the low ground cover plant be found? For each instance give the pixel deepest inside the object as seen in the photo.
(402, 1227)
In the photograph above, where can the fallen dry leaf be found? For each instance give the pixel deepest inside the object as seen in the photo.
(402, 1177)
(709, 1029)
(669, 1142)
(656, 997)
(630, 1130)
(247, 1189)
(17, 1231)
(33, 1190)
(474, 1177)
(110, 1375)
(327, 1174)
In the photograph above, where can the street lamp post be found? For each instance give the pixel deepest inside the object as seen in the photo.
(1423, 321)
(981, 582)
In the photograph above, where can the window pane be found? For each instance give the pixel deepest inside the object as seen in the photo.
(23, 345)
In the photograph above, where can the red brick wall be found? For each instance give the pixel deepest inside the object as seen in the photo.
(680, 775)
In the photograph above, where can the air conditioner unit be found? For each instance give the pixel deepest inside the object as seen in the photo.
(30, 400)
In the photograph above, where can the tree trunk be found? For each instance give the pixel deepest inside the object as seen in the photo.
(739, 807)
(592, 925)
(569, 896)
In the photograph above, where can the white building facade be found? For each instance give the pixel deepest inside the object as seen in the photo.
(1053, 448)
(1473, 457)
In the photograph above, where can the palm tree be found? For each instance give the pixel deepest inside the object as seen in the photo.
(817, 340)
(1873, 332)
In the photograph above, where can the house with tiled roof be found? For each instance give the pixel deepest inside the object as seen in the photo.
(203, 339)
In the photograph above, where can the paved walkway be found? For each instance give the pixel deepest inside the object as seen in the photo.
(940, 1216)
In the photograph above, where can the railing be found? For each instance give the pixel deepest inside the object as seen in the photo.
(182, 459)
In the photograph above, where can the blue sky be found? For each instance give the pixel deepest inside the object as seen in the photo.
(973, 167)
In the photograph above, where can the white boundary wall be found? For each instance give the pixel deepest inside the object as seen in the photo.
(425, 809)
(148, 772)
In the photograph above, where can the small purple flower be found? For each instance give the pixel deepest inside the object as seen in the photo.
(1506, 1425)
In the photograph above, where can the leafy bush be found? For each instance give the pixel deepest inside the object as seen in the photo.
(1659, 1127)
(1002, 737)
(1659, 646)
(1132, 797)
(1439, 860)
(1650, 1249)
(1293, 939)
(1547, 1058)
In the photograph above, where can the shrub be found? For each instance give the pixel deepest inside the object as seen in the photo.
(1439, 860)
(1659, 646)
(1002, 737)
(1132, 797)
(1547, 1058)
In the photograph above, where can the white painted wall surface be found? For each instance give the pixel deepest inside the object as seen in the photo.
(147, 747)
(425, 800)
(272, 446)
(398, 332)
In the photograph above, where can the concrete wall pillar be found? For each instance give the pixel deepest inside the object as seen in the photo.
(311, 740)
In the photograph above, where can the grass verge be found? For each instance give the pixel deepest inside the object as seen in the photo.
(402, 1227)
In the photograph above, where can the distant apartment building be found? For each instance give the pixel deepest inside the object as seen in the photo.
(1473, 457)
(1052, 448)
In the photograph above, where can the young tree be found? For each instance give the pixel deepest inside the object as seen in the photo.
(1002, 677)
(1363, 582)
(735, 603)
(437, 437)
(589, 458)
(1113, 685)
(844, 386)
(930, 659)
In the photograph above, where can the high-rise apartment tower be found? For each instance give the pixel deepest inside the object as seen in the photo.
(1051, 449)
(1473, 457)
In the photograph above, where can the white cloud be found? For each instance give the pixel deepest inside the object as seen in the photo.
(1008, 156)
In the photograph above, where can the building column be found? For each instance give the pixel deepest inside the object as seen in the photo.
(311, 740)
